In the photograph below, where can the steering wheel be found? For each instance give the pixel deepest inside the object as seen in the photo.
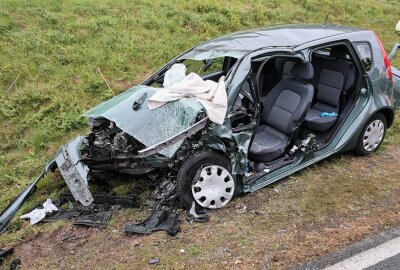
(248, 97)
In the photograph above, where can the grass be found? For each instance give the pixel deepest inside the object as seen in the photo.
(49, 55)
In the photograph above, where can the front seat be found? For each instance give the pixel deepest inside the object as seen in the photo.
(285, 107)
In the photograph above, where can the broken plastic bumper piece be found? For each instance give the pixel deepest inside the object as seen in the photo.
(74, 171)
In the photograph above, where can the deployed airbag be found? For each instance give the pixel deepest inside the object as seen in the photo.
(210, 94)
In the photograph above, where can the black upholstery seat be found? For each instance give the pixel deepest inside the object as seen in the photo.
(334, 77)
(284, 109)
(283, 66)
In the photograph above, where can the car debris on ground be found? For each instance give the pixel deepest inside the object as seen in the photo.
(154, 261)
(5, 253)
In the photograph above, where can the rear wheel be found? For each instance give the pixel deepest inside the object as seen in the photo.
(372, 135)
(206, 180)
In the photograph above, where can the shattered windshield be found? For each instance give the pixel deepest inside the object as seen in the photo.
(149, 127)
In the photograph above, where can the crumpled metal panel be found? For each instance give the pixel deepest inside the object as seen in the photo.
(234, 144)
(149, 127)
(74, 171)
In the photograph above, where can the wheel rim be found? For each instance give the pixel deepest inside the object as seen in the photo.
(214, 187)
(373, 135)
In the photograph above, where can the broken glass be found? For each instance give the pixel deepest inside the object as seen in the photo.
(149, 127)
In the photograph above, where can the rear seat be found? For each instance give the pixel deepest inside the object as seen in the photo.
(333, 78)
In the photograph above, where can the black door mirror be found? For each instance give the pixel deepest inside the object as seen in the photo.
(207, 63)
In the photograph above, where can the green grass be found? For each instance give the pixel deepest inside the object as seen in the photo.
(50, 52)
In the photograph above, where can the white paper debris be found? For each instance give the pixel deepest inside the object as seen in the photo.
(37, 214)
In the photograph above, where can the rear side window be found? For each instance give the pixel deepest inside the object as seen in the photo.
(365, 53)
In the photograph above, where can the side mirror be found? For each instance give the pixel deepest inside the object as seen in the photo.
(207, 64)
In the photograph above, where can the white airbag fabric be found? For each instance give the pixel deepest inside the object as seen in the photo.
(37, 214)
(175, 74)
(211, 95)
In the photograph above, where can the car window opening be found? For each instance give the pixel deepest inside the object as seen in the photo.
(283, 128)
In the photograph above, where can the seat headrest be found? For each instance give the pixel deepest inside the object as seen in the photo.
(339, 52)
(304, 71)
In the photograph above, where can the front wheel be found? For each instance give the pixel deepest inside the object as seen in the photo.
(372, 135)
(206, 179)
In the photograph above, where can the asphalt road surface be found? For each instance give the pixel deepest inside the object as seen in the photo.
(378, 252)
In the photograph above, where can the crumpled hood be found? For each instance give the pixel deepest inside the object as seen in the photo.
(149, 127)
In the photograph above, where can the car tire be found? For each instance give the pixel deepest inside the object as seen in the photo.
(372, 135)
(190, 171)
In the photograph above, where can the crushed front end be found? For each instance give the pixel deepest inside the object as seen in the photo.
(125, 139)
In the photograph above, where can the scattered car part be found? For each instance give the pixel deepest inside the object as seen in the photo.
(154, 261)
(95, 215)
(15, 205)
(123, 201)
(161, 219)
(74, 171)
(4, 253)
(205, 164)
(62, 214)
(94, 220)
(195, 216)
(15, 263)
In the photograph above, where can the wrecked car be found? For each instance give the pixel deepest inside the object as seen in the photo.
(263, 104)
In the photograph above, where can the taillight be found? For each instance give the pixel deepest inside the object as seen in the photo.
(385, 59)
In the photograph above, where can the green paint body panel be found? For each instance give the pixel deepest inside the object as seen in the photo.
(295, 40)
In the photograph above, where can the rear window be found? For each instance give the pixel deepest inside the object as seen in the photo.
(364, 51)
